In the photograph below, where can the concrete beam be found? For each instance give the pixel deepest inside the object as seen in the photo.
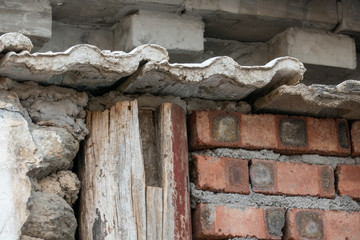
(65, 36)
(32, 18)
(315, 47)
(172, 31)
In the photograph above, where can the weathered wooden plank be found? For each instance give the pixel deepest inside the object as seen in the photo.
(149, 147)
(154, 213)
(174, 159)
(112, 204)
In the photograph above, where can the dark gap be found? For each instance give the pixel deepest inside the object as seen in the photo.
(76, 169)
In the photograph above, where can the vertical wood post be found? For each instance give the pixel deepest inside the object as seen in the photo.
(112, 173)
(174, 160)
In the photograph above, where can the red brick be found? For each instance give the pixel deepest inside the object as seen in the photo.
(281, 133)
(272, 177)
(218, 222)
(292, 134)
(348, 181)
(305, 224)
(258, 131)
(210, 129)
(355, 138)
(324, 136)
(221, 174)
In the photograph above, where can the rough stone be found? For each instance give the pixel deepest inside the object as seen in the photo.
(18, 152)
(312, 47)
(14, 42)
(174, 32)
(57, 147)
(219, 78)
(50, 218)
(341, 101)
(64, 183)
(82, 66)
(52, 106)
(24, 237)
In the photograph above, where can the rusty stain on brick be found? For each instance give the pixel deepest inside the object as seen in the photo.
(225, 128)
(309, 224)
(343, 134)
(235, 175)
(275, 220)
(262, 175)
(327, 178)
(293, 132)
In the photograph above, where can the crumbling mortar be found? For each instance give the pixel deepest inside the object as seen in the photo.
(259, 200)
(265, 154)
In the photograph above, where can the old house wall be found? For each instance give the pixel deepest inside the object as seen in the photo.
(118, 141)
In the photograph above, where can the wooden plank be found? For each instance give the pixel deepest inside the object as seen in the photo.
(149, 147)
(154, 213)
(112, 204)
(173, 153)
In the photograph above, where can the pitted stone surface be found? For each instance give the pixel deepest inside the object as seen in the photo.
(64, 183)
(57, 147)
(341, 101)
(51, 106)
(15, 42)
(82, 66)
(50, 218)
(219, 78)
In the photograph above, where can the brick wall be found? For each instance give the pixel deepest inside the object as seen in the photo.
(274, 176)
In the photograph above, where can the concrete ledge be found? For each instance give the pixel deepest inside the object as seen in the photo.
(172, 31)
(315, 47)
(341, 101)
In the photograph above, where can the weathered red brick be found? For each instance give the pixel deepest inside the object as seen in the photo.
(292, 134)
(348, 181)
(304, 224)
(218, 221)
(355, 138)
(281, 133)
(258, 131)
(272, 177)
(328, 136)
(221, 174)
(209, 129)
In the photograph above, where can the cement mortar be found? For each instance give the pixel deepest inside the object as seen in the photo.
(343, 203)
(270, 155)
